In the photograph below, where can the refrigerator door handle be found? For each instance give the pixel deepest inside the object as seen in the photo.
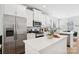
(15, 35)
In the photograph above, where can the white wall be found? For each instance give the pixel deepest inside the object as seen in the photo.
(55, 20)
(75, 19)
(63, 24)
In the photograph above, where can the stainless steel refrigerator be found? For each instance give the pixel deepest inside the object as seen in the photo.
(15, 31)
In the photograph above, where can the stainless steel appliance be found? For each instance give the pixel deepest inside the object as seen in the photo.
(39, 34)
(14, 29)
(37, 24)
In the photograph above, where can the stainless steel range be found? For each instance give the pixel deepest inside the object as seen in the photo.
(39, 34)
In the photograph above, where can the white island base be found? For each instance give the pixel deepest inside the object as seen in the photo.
(43, 45)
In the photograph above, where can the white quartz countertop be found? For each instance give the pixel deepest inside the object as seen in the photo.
(42, 42)
(71, 32)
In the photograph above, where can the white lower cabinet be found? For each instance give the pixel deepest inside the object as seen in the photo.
(30, 36)
(57, 48)
(46, 46)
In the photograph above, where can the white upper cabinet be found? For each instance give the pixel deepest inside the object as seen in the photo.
(29, 15)
(43, 18)
(14, 9)
(37, 15)
(47, 20)
(1, 8)
(21, 10)
(10, 9)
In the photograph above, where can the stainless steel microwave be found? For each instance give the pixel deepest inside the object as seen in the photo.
(37, 24)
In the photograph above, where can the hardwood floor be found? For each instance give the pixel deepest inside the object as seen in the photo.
(75, 48)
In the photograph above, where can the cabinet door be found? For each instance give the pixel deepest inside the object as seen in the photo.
(17, 10)
(47, 20)
(10, 9)
(29, 17)
(21, 11)
(1, 8)
(37, 15)
(42, 19)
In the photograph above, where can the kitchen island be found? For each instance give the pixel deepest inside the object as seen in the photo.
(70, 37)
(43, 45)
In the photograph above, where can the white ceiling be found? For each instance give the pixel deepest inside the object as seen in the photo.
(59, 10)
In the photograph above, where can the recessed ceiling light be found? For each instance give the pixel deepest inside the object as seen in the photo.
(44, 6)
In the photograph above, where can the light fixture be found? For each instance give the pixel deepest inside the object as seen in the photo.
(44, 6)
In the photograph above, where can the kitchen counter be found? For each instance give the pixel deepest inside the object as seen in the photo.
(64, 32)
(70, 39)
(37, 45)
